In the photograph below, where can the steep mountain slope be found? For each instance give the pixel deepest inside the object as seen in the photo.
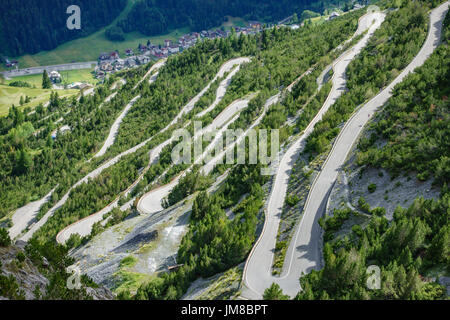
(149, 228)
(25, 273)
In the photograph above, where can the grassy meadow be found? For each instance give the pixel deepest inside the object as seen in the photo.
(11, 95)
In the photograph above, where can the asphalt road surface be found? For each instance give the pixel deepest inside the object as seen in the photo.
(38, 70)
(304, 252)
(257, 273)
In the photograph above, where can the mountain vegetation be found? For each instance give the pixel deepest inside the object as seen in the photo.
(152, 17)
(38, 272)
(43, 25)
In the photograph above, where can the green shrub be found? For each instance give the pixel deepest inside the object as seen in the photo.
(363, 205)
(20, 84)
(372, 187)
(5, 240)
(20, 256)
(292, 200)
(357, 230)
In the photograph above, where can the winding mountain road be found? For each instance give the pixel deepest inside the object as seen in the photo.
(83, 227)
(156, 66)
(257, 273)
(116, 125)
(304, 253)
(221, 90)
(226, 67)
(115, 128)
(151, 202)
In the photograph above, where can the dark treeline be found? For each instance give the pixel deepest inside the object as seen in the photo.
(50, 262)
(152, 17)
(31, 26)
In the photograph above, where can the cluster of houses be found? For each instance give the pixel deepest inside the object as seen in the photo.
(252, 28)
(111, 62)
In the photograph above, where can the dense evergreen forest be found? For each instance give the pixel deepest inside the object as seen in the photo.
(30, 26)
(204, 14)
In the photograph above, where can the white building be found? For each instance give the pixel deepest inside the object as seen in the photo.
(55, 77)
(333, 15)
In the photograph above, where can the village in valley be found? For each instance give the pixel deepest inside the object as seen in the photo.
(115, 61)
(112, 62)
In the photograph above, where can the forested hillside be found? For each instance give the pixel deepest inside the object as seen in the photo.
(224, 209)
(31, 26)
(214, 243)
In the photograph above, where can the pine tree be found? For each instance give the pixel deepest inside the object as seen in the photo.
(46, 83)
(49, 141)
(23, 162)
(274, 292)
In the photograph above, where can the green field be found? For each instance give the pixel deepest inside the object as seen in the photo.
(11, 95)
(80, 75)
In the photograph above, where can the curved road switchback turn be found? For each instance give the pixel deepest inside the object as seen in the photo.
(156, 66)
(304, 252)
(258, 269)
(115, 128)
(151, 202)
